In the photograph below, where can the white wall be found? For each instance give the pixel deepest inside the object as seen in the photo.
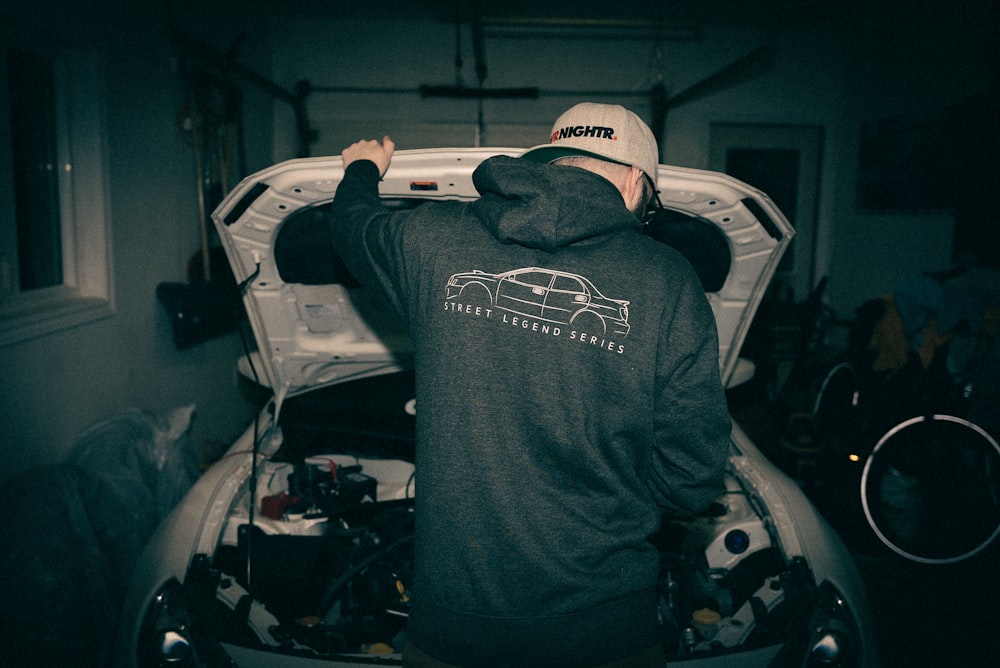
(58, 384)
(61, 383)
(911, 66)
(836, 78)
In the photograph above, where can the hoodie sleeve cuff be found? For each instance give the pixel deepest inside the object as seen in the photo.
(363, 169)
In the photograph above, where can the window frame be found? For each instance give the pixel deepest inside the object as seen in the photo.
(86, 293)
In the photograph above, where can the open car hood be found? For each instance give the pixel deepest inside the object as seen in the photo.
(315, 327)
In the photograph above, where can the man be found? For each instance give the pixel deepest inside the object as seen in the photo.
(567, 396)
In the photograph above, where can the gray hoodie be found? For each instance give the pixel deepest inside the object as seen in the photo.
(568, 395)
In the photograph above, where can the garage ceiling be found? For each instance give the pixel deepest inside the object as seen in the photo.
(876, 18)
(773, 13)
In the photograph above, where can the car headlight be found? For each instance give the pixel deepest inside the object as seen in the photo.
(165, 634)
(169, 636)
(834, 637)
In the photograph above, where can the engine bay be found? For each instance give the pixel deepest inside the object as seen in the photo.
(325, 572)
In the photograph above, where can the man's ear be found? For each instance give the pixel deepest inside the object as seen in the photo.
(632, 190)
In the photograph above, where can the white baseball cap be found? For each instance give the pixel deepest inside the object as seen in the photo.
(605, 131)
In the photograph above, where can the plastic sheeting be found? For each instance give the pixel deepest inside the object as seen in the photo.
(145, 459)
(71, 533)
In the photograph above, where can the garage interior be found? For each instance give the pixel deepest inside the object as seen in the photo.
(873, 125)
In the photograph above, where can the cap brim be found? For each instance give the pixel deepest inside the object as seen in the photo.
(546, 153)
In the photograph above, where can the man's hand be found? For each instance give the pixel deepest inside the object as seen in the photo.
(371, 149)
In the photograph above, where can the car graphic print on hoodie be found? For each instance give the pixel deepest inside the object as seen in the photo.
(541, 300)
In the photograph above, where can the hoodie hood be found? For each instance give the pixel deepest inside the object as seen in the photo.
(546, 206)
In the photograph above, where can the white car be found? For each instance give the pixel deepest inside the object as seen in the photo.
(325, 477)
